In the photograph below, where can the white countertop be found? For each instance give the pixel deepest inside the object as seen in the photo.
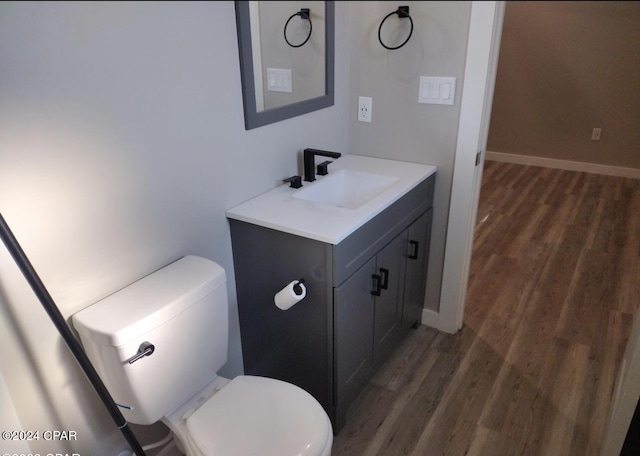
(279, 210)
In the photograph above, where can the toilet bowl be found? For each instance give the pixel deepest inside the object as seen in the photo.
(181, 311)
(252, 416)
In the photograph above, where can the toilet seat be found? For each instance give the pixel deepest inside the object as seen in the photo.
(240, 420)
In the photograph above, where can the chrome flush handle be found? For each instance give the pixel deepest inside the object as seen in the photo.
(145, 349)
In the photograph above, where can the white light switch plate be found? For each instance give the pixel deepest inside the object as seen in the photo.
(437, 90)
(279, 80)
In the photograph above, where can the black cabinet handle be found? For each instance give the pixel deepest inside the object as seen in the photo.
(415, 245)
(376, 284)
(385, 278)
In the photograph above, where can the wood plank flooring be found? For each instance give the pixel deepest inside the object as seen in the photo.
(553, 289)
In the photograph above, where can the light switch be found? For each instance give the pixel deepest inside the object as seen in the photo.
(446, 91)
(437, 90)
(279, 80)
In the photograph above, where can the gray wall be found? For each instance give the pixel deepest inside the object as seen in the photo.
(401, 128)
(564, 68)
(122, 144)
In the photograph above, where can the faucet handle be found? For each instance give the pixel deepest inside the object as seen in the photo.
(294, 181)
(322, 168)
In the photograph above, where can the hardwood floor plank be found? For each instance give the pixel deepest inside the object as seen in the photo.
(551, 186)
(364, 419)
(551, 227)
(566, 392)
(401, 368)
(518, 285)
(454, 421)
(485, 292)
(604, 361)
(530, 222)
(585, 308)
(627, 292)
(516, 386)
(401, 432)
(488, 442)
(498, 236)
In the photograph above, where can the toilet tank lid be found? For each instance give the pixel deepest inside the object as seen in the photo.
(149, 302)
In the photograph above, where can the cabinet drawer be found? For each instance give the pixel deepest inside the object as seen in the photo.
(350, 254)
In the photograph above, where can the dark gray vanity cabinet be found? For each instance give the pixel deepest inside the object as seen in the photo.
(363, 295)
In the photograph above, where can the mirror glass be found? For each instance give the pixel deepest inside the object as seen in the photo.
(286, 58)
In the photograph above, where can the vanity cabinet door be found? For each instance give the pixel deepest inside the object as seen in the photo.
(416, 273)
(353, 334)
(390, 266)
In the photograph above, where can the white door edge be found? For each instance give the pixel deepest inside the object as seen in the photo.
(483, 48)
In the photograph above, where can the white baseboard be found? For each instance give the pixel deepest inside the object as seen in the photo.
(563, 164)
(431, 318)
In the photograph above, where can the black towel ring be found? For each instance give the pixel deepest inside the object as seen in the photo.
(402, 12)
(304, 13)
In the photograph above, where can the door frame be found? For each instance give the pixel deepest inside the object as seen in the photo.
(483, 48)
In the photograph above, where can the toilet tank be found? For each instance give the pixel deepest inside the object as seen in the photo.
(182, 310)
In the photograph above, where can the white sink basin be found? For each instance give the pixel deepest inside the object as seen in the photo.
(334, 206)
(345, 188)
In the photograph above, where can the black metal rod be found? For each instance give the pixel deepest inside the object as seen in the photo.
(58, 320)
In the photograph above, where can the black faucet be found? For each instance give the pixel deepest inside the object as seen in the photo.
(310, 164)
(294, 181)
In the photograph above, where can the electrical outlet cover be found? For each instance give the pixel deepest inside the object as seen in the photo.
(364, 109)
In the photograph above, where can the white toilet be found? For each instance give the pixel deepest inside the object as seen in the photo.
(179, 314)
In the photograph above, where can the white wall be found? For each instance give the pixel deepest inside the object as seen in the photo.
(9, 421)
(122, 143)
